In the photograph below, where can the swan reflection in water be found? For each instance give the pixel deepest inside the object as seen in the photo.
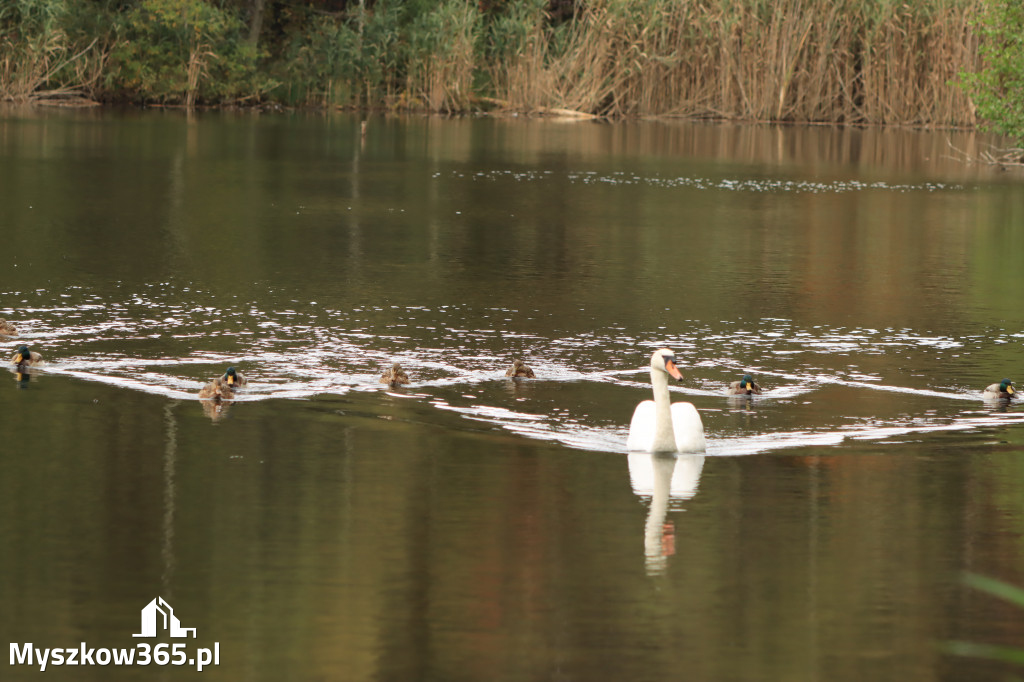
(662, 479)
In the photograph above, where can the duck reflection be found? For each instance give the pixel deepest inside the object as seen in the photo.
(518, 388)
(998, 404)
(215, 409)
(22, 378)
(662, 478)
(741, 403)
(22, 375)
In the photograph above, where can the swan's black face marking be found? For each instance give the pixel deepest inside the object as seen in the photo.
(670, 367)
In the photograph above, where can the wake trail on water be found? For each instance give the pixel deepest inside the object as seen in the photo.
(153, 377)
(153, 342)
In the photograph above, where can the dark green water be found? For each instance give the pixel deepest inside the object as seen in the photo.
(467, 527)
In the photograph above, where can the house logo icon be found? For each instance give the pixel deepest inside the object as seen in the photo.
(157, 613)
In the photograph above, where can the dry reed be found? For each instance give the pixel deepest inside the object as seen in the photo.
(441, 71)
(27, 66)
(790, 60)
(849, 61)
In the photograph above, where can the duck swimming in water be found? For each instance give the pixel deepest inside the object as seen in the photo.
(234, 378)
(7, 328)
(744, 386)
(26, 358)
(216, 390)
(1002, 391)
(395, 376)
(519, 369)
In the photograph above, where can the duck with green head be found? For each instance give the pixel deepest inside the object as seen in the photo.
(744, 386)
(1002, 391)
(26, 358)
(234, 378)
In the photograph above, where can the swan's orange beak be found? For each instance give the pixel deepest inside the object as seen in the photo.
(670, 365)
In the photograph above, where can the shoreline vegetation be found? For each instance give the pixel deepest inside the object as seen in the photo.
(809, 61)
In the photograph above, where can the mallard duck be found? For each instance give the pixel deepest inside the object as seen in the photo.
(394, 376)
(519, 369)
(216, 390)
(744, 386)
(26, 358)
(1002, 391)
(234, 378)
(7, 328)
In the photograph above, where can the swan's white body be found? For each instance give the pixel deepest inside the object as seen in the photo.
(660, 425)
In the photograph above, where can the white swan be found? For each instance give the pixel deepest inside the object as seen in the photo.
(660, 425)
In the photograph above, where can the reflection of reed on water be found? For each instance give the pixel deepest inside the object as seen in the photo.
(170, 459)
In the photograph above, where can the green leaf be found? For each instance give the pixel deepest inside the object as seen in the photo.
(997, 588)
(987, 651)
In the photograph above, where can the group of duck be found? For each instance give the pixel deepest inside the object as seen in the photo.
(224, 387)
(658, 425)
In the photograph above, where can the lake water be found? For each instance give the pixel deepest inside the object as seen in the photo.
(466, 526)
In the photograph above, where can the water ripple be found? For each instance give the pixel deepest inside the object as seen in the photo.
(170, 340)
(764, 185)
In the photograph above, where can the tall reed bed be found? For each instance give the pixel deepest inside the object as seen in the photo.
(37, 56)
(863, 61)
(852, 61)
(396, 54)
(443, 57)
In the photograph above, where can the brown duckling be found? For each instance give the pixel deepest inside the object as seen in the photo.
(216, 390)
(395, 376)
(744, 386)
(234, 378)
(26, 358)
(1002, 391)
(7, 328)
(519, 369)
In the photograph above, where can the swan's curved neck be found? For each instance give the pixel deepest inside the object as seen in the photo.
(664, 436)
